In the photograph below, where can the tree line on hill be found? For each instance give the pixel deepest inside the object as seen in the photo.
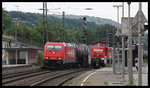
(31, 27)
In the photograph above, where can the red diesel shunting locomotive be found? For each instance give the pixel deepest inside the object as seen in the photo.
(100, 53)
(60, 54)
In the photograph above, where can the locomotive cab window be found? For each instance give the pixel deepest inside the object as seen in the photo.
(104, 45)
(96, 44)
(54, 47)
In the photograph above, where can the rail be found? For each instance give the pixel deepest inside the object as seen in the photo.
(14, 78)
(59, 79)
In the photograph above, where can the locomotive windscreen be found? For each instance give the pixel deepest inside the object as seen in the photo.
(54, 47)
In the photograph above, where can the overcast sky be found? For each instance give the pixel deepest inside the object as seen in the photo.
(99, 9)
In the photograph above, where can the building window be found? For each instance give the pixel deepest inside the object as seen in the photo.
(22, 55)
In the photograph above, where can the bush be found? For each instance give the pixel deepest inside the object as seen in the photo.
(145, 60)
(106, 83)
(108, 65)
(133, 81)
(4, 61)
(40, 58)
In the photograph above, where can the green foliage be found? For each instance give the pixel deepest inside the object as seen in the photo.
(108, 65)
(145, 60)
(40, 58)
(10, 30)
(106, 83)
(6, 20)
(73, 29)
(33, 18)
(4, 61)
(68, 83)
(133, 81)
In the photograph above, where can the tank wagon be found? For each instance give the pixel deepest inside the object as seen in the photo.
(99, 55)
(61, 54)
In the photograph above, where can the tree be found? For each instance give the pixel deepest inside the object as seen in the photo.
(6, 20)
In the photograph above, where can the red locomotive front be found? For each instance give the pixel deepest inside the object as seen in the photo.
(99, 54)
(58, 54)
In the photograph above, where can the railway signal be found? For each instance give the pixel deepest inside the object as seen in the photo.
(63, 23)
(84, 36)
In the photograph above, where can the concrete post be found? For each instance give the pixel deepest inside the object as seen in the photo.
(118, 34)
(123, 48)
(130, 48)
(118, 41)
(16, 55)
(139, 47)
(16, 31)
(113, 55)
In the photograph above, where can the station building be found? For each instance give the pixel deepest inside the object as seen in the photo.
(20, 54)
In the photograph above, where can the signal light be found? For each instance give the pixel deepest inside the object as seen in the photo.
(84, 22)
(84, 18)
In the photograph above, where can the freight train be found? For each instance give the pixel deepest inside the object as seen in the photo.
(61, 54)
(100, 53)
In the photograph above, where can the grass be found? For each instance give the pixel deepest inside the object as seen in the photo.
(85, 83)
(108, 65)
(124, 81)
(133, 81)
(145, 60)
(68, 83)
(106, 83)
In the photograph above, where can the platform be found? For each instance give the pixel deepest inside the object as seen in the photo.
(19, 68)
(14, 65)
(105, 77)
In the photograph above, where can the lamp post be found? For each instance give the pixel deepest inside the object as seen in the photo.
(16, 35)
(130, 47)
(113, 54)
(123, 48)
(118, 34)
(16, 22)
(139, 47)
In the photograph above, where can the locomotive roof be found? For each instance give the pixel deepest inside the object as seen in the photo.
(99, 42)
(65, 44)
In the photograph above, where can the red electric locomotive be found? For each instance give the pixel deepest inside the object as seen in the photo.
(60, 54)
(100, 53)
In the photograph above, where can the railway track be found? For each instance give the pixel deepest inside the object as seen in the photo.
(9, 79)
(37, 79)
(59, 79)
(19, 74)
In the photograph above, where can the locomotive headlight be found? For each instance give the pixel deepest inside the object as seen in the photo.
(59, 58)
(46, 57)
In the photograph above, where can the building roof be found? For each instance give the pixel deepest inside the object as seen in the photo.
(20, 48)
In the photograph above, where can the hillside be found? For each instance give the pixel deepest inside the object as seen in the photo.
(31, 27)
(32, 19)
(96, 20)
(71, 21)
